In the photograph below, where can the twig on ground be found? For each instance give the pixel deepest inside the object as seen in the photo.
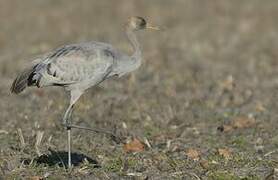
(271, 152)
(38, 142)
(21, 138)
(147, 142)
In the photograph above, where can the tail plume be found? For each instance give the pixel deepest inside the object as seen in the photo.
(23, 80)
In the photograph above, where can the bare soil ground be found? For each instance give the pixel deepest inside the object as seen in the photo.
(205, 98)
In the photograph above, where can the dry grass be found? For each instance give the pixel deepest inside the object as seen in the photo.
(215, 61)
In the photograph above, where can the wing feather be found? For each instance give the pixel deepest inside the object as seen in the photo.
(76, 64)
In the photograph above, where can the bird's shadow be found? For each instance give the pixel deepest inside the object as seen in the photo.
(60, 158)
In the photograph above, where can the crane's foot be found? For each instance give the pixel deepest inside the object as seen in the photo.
(112, 135)
(69, 126)
(91, 129)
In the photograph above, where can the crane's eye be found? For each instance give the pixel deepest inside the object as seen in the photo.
(142, 22)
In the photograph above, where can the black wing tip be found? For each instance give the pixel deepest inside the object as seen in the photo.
(23, 80)
(17, 87)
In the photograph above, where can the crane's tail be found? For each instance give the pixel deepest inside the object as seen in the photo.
(23, 80)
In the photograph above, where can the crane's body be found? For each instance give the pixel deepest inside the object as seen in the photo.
(80, 66)
(77, 67)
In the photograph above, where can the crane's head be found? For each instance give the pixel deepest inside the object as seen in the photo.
(138, 23)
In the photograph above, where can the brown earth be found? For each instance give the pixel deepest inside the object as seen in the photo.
(215, 63)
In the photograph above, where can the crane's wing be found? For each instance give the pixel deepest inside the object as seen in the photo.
(83, 64)
(74, 66)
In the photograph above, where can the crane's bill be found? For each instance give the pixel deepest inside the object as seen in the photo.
(149, 26)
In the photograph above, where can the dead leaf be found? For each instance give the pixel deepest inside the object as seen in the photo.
(134, 146)
(238, 123)
(204, 164)
(193, 154)
(36, 178)
(225, 152)
(243, 122)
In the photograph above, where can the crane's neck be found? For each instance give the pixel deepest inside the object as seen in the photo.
(131, 63)
(135, 44)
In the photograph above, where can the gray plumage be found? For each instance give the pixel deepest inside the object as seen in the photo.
(77, 67)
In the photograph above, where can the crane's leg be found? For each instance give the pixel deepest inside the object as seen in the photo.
(66, 120)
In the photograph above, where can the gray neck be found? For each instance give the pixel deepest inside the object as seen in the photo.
(135, 44)
(135, 59)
